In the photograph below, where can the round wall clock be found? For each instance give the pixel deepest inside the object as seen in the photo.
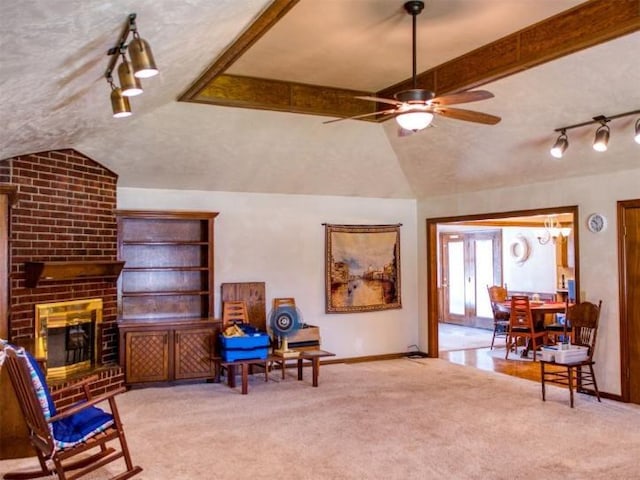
(596, 223)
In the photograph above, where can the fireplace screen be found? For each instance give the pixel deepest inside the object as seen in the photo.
(67, 336)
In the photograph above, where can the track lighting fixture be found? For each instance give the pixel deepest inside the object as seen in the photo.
(560, 146)
(603, 132)
(142, 65)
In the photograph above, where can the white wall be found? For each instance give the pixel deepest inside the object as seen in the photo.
(598, 252)
(279, 239)
(538, 273)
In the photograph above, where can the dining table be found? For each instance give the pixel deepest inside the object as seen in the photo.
(538, 311)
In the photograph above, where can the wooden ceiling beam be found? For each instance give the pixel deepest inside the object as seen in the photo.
(586, 25)
(269, 17)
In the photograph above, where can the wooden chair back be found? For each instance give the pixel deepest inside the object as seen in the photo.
(498, 295)
(520, 317)
(20, 376)
(284, 302)
(584, 318)
(234, 312)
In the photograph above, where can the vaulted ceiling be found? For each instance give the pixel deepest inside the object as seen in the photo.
(245, 87)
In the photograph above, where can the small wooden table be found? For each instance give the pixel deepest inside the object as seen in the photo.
(244, 365)
(312, 356)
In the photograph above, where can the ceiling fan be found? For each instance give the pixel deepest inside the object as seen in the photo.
(414, 109)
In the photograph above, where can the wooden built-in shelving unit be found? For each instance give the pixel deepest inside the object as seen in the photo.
(165, 295)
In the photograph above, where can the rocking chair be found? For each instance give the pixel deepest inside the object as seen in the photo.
(56, 435)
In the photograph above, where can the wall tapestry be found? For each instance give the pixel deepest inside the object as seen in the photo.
(362, 268)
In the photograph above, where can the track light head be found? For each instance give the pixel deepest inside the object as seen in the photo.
(637, 137)
(129, 83)
(119, 103)
(562, 143)
(602, 138)
(142, 60)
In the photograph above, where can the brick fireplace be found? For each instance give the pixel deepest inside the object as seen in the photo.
(65, 213)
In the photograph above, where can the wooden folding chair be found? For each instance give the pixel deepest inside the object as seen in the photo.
(234, 312)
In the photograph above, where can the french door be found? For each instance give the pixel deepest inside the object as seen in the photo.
(469, 262)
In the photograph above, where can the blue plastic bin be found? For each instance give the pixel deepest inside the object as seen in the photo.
(254, 345)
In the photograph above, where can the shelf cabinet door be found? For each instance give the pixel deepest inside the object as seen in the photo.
(193, 352)
(147, 356)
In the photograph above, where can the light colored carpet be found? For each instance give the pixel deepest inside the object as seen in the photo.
(455, 337)
(395, 419)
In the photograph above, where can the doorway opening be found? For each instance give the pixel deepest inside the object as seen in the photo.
(466, 254)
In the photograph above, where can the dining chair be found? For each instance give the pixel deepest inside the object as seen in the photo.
(59, 435)
(560, 329)
(498, 295)
(584, 318)
(521, 326)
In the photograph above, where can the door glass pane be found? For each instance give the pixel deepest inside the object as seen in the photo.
(456, 278)
(484, 276)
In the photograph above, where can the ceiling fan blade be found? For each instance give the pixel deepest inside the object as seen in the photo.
(380, 112)
(468, 115)
(382, 100)
(462, 97)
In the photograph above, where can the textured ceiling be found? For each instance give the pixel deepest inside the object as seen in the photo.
(53, 95)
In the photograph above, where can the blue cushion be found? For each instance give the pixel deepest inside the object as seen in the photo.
(42, 389)
(71, 430)
(80, 426)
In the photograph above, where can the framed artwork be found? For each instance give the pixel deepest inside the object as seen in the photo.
(362, 268)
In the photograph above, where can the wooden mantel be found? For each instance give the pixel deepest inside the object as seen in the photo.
(71, 270)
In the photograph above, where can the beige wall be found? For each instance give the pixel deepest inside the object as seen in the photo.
(598, 252)
(279, 239)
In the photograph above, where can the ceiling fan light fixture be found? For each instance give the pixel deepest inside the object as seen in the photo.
(602, 138)
(637, 137)
(414, 120)
(561, 145)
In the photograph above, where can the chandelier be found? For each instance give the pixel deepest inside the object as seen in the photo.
(552, 231)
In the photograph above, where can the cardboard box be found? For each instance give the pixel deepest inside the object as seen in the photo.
(253, 345)
(306, 337)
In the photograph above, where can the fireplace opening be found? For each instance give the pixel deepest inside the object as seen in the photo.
(67, 336)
